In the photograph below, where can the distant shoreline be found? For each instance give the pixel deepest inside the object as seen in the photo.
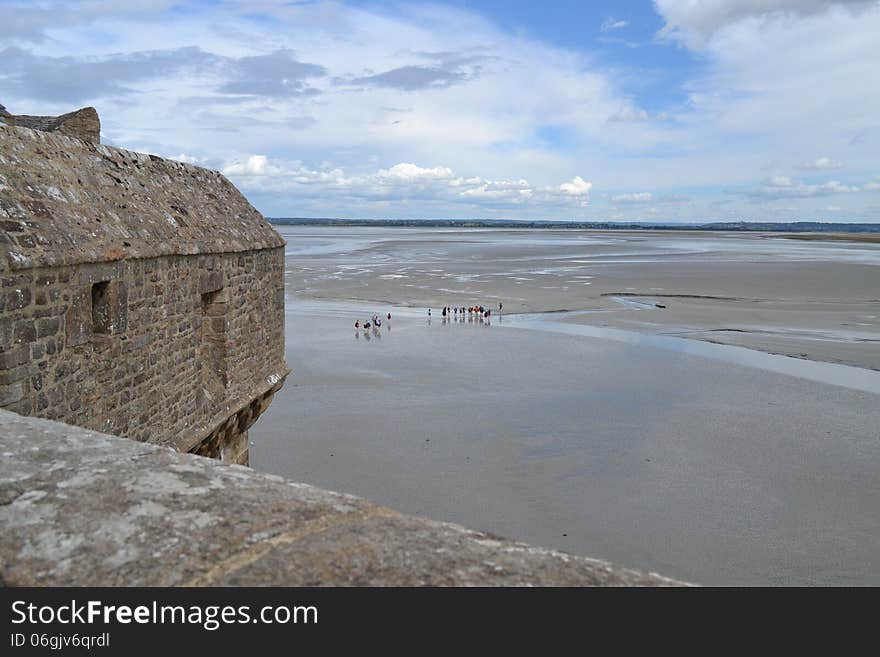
(841, 231)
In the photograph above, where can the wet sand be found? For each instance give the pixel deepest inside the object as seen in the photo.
(705, 465)
(812, 300)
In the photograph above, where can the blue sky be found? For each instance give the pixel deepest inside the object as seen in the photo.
(671, 110)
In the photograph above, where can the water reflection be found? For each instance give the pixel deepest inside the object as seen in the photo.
(846, 376)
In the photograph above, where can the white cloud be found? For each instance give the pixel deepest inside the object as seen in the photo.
(629, 115)
(835, 187)
(404, 180)
(641, 199)
(780, 81)
(406, 171)
(254, 165)
(695, 22)
(577, 187)
(610, 24)
(872, 186)
(635, 197)
(342, 105)
(189, 159)
(821, 164)
(219, 89)
(778, 187)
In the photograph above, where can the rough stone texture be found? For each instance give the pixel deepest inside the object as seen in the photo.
(82, 124)
(79, 508)
(138, 296)
(64, 202)
(148, 376)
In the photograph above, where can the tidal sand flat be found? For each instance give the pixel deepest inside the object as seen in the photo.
(806, 299)
(690, 465)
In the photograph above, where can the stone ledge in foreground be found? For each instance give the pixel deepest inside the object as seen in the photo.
(81, 508)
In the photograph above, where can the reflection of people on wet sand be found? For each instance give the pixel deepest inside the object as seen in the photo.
(372, 326)
(476, 313)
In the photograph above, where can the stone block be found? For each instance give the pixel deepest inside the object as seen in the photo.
(6, 332)
(14, 374)
(17, 299)
(48, 326)
(78, 320)
(25, 331)
(9, 394)
(210, 282)
(14, 357)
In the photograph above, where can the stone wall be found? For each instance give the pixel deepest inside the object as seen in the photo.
(121, 347)
(138, 295)
(79, 508)
(82, 124)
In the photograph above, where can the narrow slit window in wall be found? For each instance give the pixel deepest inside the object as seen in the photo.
(213, 337)
(109, 308)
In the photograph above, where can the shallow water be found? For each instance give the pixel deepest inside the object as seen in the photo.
(856, 378)
(711, 463)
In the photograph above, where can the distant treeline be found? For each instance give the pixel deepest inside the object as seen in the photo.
(776, 227)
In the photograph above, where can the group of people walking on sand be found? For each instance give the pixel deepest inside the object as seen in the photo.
(473, 312)
(374, 322)
(477, 312)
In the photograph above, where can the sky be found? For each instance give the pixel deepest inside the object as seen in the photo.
(671, 110)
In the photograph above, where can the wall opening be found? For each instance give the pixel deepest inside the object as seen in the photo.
(109, 307)
(101, 307)
(214, 329)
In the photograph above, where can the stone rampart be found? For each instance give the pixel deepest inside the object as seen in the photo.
(81, 124)
(80, 508)
(138, 296)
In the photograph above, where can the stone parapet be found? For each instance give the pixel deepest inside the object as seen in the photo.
(82, 124)
(81, 508)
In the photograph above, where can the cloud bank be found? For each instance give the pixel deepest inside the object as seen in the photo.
(329, 108)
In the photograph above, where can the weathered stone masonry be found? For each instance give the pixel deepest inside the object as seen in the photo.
(138, 296)
(83, 123)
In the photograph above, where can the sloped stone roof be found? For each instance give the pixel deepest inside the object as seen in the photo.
(64, 201)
